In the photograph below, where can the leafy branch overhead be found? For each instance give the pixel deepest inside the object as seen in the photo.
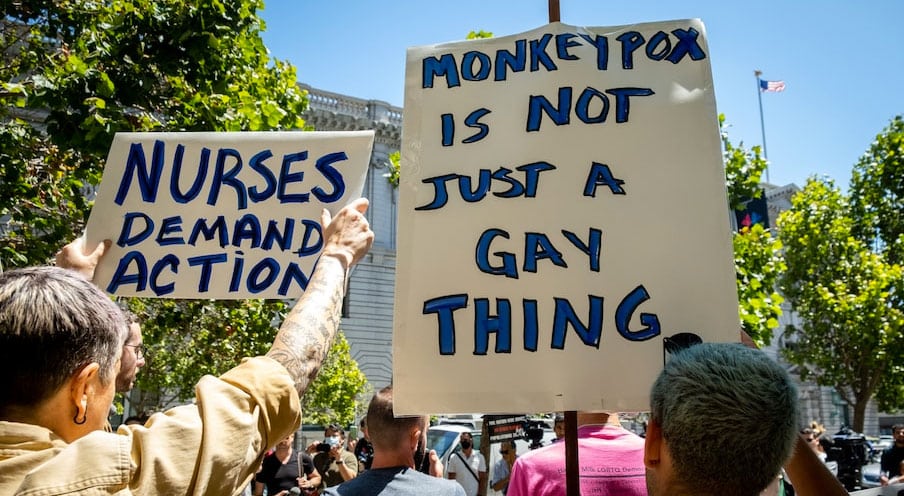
(76, 73)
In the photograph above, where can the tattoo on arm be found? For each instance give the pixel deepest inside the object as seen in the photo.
(307, 333)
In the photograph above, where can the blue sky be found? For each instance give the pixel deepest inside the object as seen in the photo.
(842, 61)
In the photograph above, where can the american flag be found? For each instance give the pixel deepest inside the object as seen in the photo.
(772, 86)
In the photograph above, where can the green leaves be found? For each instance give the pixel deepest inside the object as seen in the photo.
(84, 70)
(338, 390)
(743, 169)
(757, 254)
(849, 334)
(758, 264)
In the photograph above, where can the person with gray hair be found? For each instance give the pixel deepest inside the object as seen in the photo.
(52, 368)
(61, 344)
(705, 398)
(399, 444)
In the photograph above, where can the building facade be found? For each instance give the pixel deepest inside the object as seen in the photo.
(367, 313)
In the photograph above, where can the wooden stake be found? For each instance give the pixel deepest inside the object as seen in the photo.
(554, 11)
(572, 474)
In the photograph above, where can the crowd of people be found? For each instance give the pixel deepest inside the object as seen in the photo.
(66, 349)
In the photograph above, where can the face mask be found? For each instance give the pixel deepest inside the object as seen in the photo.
(466, 445)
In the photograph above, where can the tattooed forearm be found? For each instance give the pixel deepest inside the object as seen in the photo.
(308, 331)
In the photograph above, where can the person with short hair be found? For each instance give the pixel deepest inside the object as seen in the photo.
(890, 464)
(399, 444)
(706, 395)
(468, 466)
(61, 345)
(558, 427)
(502, 470)
(337, 464)
(132, 355)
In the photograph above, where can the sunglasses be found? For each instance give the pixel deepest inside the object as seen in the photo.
(504, 452)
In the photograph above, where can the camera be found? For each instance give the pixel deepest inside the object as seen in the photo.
(533, 433)
(327, 445)
(849, 450)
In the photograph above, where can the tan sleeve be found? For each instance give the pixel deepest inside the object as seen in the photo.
(215, 446)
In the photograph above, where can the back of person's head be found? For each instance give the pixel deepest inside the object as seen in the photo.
(386, 431)
(52, 323)
(728, 415)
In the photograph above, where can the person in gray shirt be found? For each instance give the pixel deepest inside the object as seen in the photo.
(398, 448)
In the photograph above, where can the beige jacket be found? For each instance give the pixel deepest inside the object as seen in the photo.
(212, 447)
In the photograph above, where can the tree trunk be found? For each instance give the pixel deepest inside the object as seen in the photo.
(859, 413)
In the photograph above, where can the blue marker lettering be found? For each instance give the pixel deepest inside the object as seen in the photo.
(485, 324)
(443, 307)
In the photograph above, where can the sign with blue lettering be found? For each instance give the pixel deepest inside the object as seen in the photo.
(563, 212)
(221, 215)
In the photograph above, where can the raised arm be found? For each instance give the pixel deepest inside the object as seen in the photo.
(307, 333)
(809, 475)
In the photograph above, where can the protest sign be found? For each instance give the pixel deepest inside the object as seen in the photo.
(221, 215)
(562, 211)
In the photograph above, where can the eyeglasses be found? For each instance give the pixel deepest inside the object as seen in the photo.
(139, 349)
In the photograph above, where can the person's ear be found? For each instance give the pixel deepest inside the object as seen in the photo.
(414, 438)
(81, 388)
(653, 446)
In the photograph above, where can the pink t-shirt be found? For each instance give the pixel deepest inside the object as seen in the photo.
(610, 458)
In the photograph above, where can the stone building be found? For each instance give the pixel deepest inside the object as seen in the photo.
(367, 312)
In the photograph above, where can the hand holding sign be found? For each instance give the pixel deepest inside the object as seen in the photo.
(74, 257)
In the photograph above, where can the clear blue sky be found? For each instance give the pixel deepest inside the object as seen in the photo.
(842, 61)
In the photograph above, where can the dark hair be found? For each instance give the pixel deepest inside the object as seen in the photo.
(53, 322)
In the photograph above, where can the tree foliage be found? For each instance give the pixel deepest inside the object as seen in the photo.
(850, 332)
(186, 339)
(877, 192)
(743, 169)
(757, 254)
(75, 73)
(758, 265)
(82, 71)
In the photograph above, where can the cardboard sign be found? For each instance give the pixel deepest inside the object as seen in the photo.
(562, 210)
(221, 215)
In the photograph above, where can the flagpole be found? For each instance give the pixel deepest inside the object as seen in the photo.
(759, 97)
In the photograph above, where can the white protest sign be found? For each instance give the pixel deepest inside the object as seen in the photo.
(562, 211)
(221, 215)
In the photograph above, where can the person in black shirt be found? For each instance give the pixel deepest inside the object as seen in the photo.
(890, 464)
(364, 451)
(284, 469)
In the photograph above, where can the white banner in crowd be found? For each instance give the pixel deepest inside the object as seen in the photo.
(221, 215)
(563, 213)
